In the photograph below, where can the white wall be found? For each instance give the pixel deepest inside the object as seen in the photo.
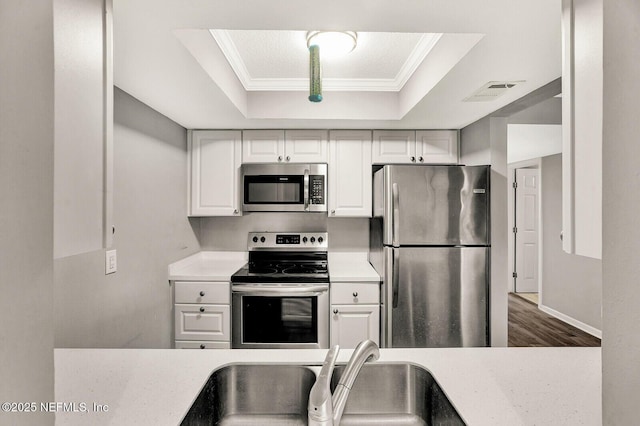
(620, 207)
(485, 142)
(529, 141)
(26, 190)
(571, 285)
(230, 233)
(132, 308)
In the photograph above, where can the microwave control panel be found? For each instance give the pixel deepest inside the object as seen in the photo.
(316, 189)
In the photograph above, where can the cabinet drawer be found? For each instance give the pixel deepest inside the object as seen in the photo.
(203, 322)
(354, 293)
(190, 344)
(202, 292)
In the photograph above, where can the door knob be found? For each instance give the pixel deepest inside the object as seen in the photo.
(288, 158)
(202, 293)
(202, 346)
(355, 294)
(413, 159)
(421, 159)
(335, 311)
(279, 157)
(201, 309)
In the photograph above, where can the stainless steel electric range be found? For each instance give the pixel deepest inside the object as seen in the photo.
(280, 299)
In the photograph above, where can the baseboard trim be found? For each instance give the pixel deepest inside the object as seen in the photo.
(571, 321)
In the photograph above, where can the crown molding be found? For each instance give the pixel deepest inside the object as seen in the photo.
(418, 54)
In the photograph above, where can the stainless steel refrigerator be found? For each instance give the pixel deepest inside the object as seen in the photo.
(430, 243)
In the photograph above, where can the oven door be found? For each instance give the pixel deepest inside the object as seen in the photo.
(293, 316)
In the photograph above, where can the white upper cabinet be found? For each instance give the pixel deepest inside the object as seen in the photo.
(306, 146)
(262, 146)
(582, 82)
(279, 146)
(349, 173)
(415, 147)
(214, 172)
(394, 146)
(437, 146)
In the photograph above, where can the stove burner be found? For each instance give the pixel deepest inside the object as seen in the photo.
(301, 269)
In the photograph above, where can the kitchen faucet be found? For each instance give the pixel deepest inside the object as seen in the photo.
(325, 409)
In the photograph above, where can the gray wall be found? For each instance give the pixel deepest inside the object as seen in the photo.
(230, 233)
(620, 207)
(570, 284)
(131, 308)
(26, 190)
(485, 142)
(545, 112)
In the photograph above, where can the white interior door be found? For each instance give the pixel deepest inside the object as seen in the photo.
(526, 230)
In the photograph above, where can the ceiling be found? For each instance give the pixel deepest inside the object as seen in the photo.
(220, 64)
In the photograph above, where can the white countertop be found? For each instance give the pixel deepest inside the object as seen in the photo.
(220, 265)
(351, 267)
(208, 266)
(488, 386)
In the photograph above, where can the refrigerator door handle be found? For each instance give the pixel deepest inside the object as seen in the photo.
(395, 222)
(395, 284)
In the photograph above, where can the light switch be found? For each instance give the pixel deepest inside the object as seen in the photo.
(111, 262)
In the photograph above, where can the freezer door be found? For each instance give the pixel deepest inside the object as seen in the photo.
(439, 299)
(434, 205)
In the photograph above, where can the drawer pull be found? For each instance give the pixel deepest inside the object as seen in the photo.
(355, 294)
(201, 309)
(202, 346)
(335, 311)
(202, 293)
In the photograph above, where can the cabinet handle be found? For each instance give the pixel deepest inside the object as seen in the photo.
(333, 212)
(279, 157)
(201, 309)
(355, 294)
(413, 159)
(202, 346)
(421, 159)
(335, 311)
(202, 293)
(288, 158)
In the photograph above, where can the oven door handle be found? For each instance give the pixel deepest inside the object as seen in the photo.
(265, 290)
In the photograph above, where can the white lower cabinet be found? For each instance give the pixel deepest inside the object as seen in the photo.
(202, 314)
(355, 314)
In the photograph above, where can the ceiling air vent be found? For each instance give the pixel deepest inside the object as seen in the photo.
(492, 90)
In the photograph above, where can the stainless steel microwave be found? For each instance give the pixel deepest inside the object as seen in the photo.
(284, 187)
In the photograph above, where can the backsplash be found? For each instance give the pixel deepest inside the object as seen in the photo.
(230, 233)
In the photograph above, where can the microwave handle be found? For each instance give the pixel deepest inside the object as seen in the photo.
(306, 190)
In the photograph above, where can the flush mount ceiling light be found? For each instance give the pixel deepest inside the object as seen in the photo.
(333, 43)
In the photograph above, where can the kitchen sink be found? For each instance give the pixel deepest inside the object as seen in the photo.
(253, 394)
(275, 394)
(396, 394)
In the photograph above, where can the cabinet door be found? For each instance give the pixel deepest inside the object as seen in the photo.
(306, 146)
(214, 173)
(394, 147)
(262, 146)
(437, 146)
(351, 324)
(350, 174)
(202, 322)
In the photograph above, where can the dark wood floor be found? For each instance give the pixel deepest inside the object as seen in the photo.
(529, 326)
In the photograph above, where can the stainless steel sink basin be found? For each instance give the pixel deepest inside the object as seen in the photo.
(266, 394)
(396, 394)
(242, 394)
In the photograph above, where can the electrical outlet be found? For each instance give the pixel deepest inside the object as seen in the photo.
(110, 262)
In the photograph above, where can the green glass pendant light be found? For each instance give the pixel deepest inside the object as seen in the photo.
(315, 77)
(334, 44)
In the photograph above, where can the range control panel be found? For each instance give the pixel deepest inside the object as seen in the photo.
(316, 241)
